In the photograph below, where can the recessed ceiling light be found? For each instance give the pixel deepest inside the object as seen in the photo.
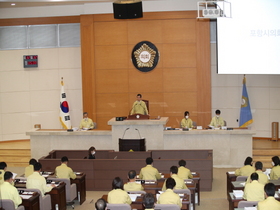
(13, 4)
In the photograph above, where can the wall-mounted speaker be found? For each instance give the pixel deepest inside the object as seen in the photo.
(127, 9)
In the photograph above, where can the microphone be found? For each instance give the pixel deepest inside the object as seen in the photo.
(124, 132)
(138, 132)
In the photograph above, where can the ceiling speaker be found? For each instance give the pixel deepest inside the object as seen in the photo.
(127, 9)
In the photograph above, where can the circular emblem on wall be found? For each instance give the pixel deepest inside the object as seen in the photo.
(145, 56)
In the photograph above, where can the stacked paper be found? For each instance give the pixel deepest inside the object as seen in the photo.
(250, 208)
(238, 193)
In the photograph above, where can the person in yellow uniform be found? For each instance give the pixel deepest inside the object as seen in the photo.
(217, 121)
(169, 197)
(30, 169)
(149, 201)
(86, 123)
(149, 172)
(254, 191)
(263, 179)
(63, 171)
(183, 172)
(8, 191)
(139, 106)
(118, 195)
(180, 184)
(36, 181)
(132, 185)
(186, 122)
(3, 167)
(275, 171)
(247, 169)
(270, 203)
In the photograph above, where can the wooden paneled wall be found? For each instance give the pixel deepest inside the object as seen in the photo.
(180, 82)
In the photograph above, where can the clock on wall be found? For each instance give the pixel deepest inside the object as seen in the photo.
(30, 61)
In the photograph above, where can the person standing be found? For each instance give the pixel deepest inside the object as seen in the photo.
(139, 106)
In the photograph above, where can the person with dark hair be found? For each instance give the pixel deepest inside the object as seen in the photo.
(254, 191)
(37, 181)
(86, 123)
(180, 184)
(3, 167)
(117, 195)
(183, 172)
(275, 171)
(8, 191)
(169, 197)
(186, 122)
(100, 204)
(91, 153)
(247, 169)
(132, 185)
(139, 106)
(149, 201)
(30, 169)
(270, 203)
(263, 179)
(63, 171)
(217, 121)
(149, 172)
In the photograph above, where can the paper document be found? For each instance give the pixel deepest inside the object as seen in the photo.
(133, 197)
(238, 193)
(26, 196)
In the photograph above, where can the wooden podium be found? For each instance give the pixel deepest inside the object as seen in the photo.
(132, 144)
(138, 117)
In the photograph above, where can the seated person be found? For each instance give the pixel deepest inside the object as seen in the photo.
(8, 191)
(139, 106)
(254, 191)
(30, 169)
(63, 171)
(183, 172)
(37, 181)
(149, 172)
(118, 195)
(270, 203)
(169, 197)
(91, 153)
(100, 204)
(149, 201)
(132, 185)
(217, 121)
(180, 184)
(186, 122)
(247, 169)
(275, 171)
(86, 123)
(3, 167)
(262, 177)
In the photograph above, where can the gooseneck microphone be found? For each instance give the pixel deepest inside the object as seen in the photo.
(138, 133)
(124, 132)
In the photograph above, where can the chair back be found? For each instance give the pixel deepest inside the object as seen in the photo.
(147, 104)
(44, 200)
(118, 207)
(243, 204)
(9, 204)
(242, 178)
(71, 189)
(166, 207)
(95, 125)
(225, 123)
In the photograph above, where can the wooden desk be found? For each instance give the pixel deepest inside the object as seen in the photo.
(31, 203)
(138, 203)
(230, 178)
(58, 194)
(233, 201)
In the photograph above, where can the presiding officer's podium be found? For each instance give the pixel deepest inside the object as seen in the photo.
(133, 144)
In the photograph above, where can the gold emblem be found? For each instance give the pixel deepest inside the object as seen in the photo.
(145, 56)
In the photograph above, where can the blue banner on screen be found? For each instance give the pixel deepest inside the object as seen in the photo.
(245, 111)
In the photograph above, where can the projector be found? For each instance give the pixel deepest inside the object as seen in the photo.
(211, 13)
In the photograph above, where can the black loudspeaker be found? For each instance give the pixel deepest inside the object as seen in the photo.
(128, 10)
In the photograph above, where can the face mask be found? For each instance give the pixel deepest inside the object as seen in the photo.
(272, 163)
(187, 117)
(218, 116)
(93, 153)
